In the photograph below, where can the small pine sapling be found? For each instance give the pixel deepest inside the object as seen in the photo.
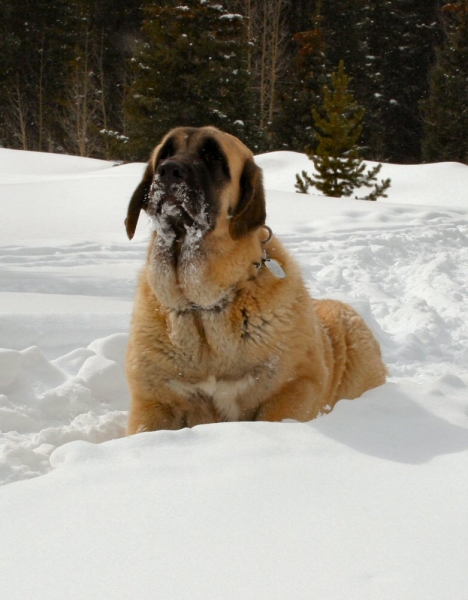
(337, 160)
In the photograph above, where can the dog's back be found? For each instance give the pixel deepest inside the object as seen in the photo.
(357, 358)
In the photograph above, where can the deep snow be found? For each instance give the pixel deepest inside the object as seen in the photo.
(367, 502)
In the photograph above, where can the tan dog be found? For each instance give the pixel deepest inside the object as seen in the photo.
(223, 326)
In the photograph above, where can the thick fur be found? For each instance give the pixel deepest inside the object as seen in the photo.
(216, 337)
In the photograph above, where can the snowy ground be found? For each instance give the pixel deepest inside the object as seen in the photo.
(368, 502)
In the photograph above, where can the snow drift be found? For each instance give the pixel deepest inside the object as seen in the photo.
(369, 501)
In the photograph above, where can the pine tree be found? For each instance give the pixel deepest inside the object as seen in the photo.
(106, 28)
(299, 14)
(43, 46)
(342, 24)
(302, 88)
(91, 115)
(267, 42)
(397, 37)
(387, 46)
(446, 110)
(337, 159)
(36, 39)
(190, 70)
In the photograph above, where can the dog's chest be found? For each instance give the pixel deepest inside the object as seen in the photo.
(224, 392)
(215, 361)
(208, 343)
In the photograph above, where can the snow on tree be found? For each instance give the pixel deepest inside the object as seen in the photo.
(446, 109)
(190, 70)
(301, 88)
(387, 46)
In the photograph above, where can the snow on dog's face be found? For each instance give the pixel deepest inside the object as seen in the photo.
(183, 197)
(199, 180)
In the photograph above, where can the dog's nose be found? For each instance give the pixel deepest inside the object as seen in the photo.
(172, 171)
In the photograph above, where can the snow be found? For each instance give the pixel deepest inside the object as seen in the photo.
(183, 207)
(367, 502)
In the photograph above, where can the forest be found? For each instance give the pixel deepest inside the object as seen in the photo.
(107, 79)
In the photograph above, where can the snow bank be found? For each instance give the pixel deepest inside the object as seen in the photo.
(439, 184)
(61, 198)
(248, 510)
(367, 502)
(25, 163)
(43, 404)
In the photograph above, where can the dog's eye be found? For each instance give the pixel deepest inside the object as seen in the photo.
(166, 151)
(215, 159)
(211, 152)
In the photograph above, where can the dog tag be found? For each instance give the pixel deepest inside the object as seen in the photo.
(274, 267)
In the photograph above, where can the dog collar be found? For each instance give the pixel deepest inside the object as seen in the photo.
(216, 308)
(270, 263)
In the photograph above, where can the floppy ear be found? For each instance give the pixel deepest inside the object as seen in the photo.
(250, 211)
(139, 200)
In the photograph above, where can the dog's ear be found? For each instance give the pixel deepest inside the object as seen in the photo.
(250, 212)
(139, 200)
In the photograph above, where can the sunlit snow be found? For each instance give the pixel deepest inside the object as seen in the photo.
(369, 502)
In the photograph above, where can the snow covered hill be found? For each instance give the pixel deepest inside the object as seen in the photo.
(370, 501)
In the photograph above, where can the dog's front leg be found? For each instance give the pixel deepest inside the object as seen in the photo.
(151, 415)
(300, 399)
(169, 411)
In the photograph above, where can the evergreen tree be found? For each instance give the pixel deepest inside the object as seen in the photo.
(267, 42)
(302, 89)
(113, 24)
(190, 70)
(446, 109)
(337, 160)
(212, 75)
(387, 46)
(342, 26)
(299, 14)
(36, 39)
(49, 53)
(397, 38)
(92, 114)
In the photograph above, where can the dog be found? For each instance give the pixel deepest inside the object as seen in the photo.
(223, 327)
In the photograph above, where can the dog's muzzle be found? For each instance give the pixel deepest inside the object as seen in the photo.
(175, 203)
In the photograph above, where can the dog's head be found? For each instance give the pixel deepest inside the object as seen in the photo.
(196, 180)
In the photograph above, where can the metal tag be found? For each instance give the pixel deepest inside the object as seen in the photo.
(274, 267)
